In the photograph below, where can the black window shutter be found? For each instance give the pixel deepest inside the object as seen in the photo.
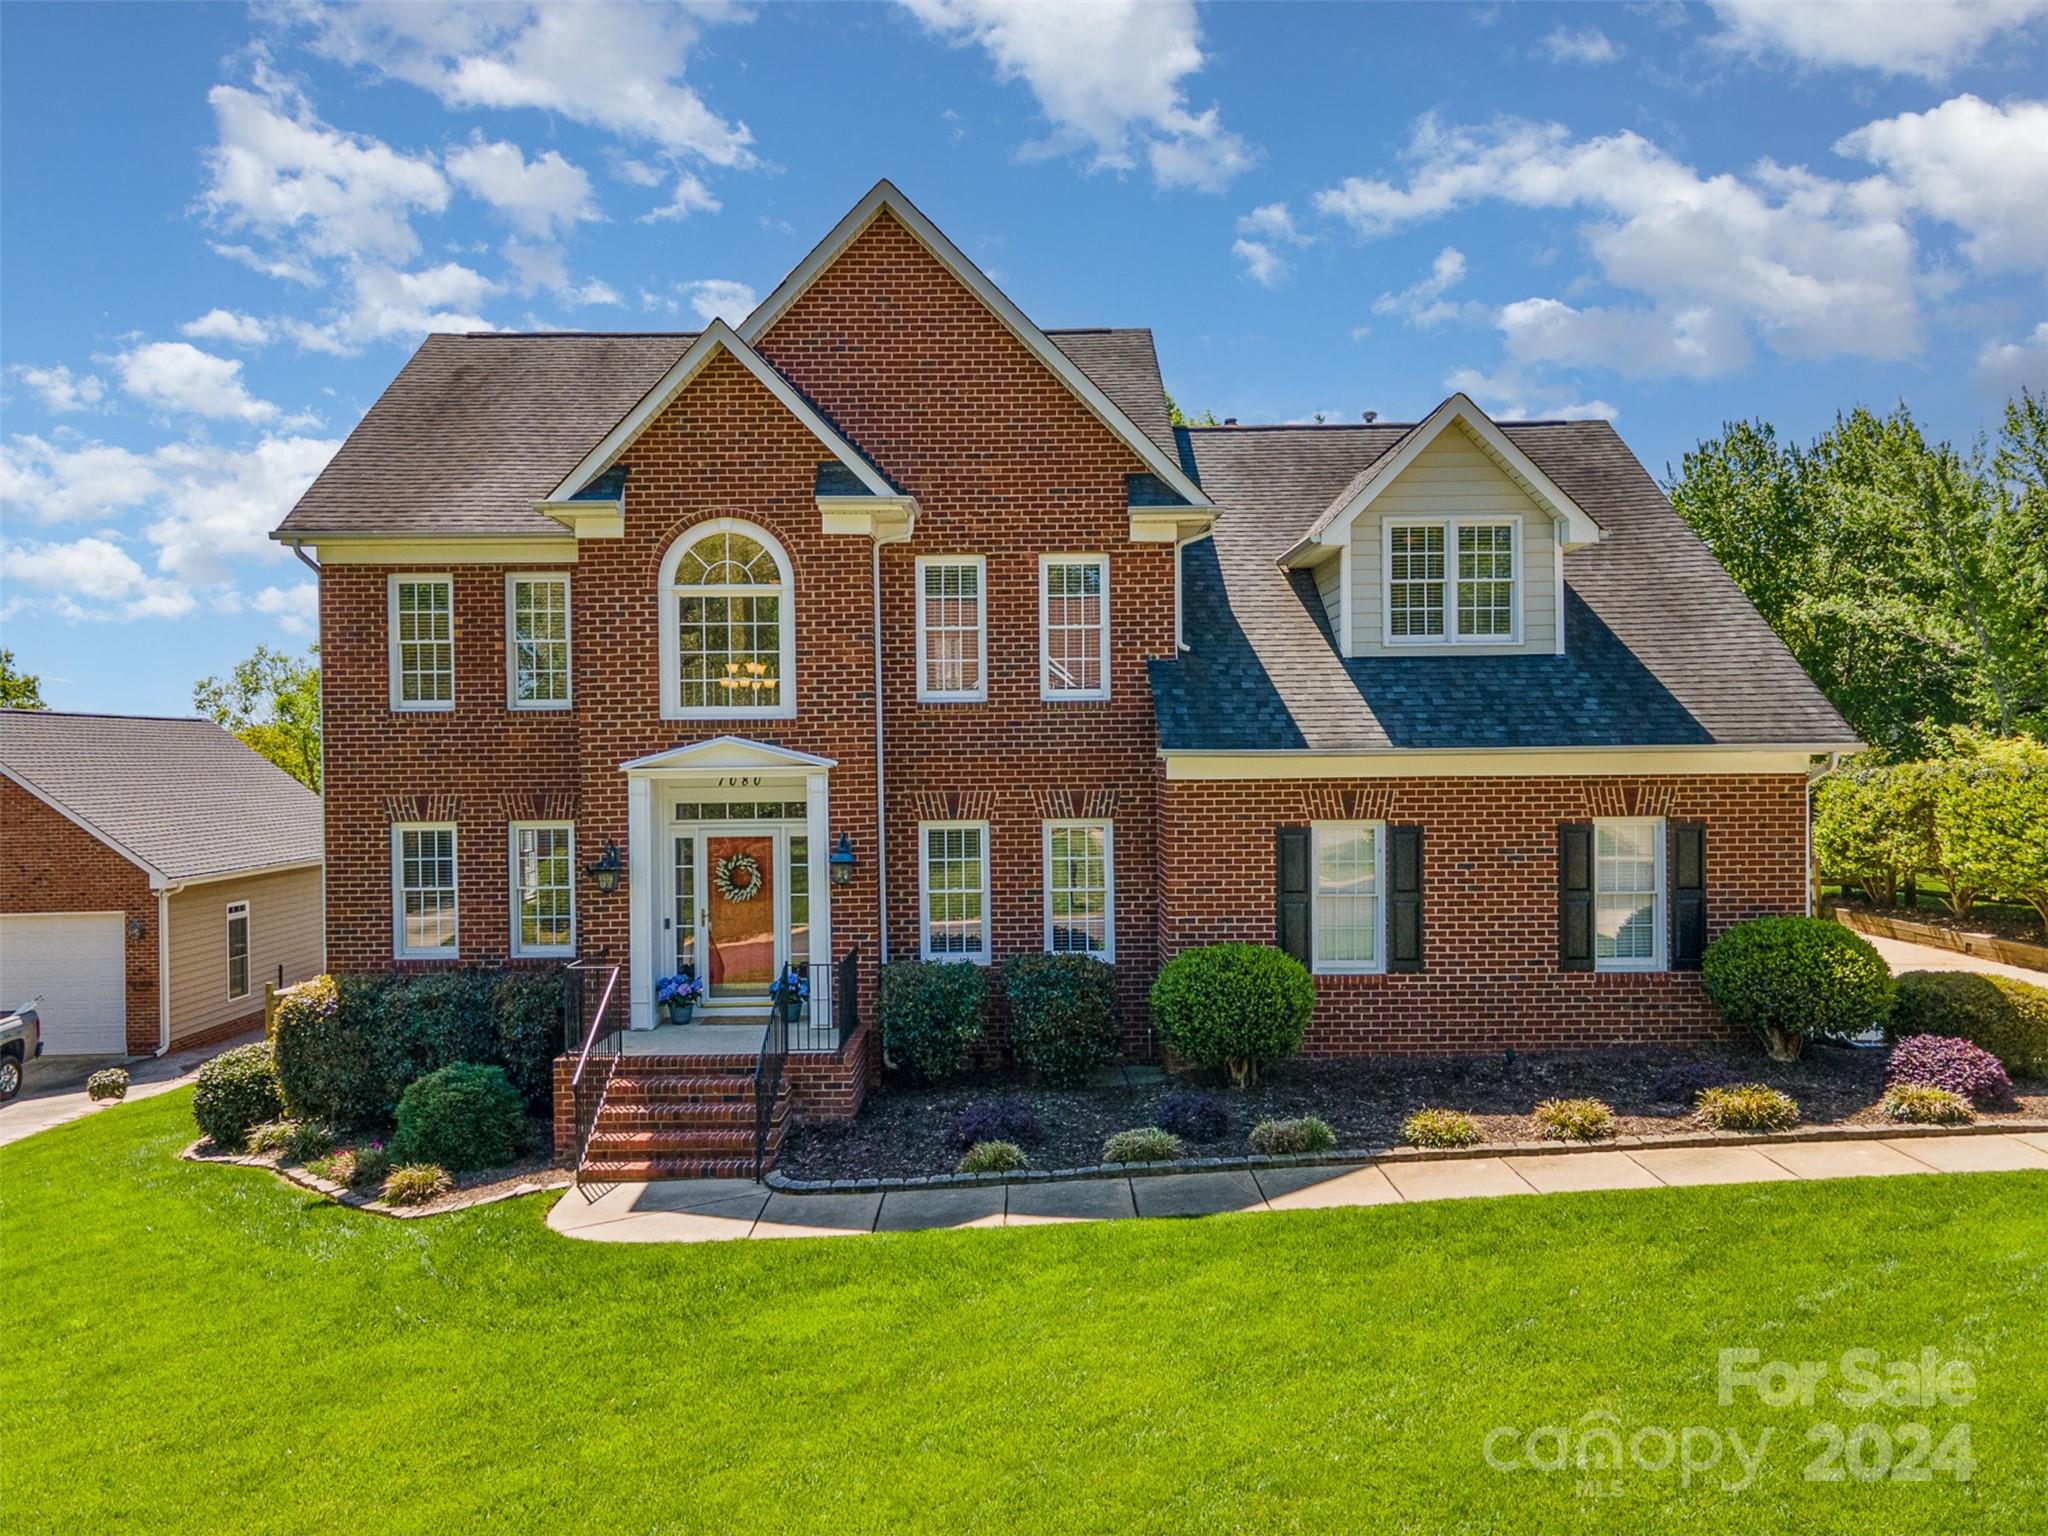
(1404, 898)
(1292, 883)
(1688, 894)
(1575, 896)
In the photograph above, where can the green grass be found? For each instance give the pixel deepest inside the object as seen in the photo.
(197, 1349)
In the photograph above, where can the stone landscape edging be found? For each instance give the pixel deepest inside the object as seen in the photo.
(1368, 1156)
(355, 1200)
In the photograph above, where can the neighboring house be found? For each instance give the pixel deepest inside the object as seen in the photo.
(1460, 713)
(158, 874)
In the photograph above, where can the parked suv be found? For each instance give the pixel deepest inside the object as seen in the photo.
(21, 1040)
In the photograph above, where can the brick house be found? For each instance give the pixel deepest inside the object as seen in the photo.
(1460, 713)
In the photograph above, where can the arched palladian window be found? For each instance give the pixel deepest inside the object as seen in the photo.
(728, 641)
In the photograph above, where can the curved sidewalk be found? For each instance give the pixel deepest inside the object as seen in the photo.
(714, 1210)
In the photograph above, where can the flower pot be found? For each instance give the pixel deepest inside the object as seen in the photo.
(680, 1009)
(792, 1009)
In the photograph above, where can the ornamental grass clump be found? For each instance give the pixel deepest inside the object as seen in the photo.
(1747, 1107)
(1285, 1138)
(1439, 1128)
(1573, 1120)
(994, 1157)
(1940, 1061)
(362, 1167)
(1146, 1144)
(416, 1184)
(1918, 1104)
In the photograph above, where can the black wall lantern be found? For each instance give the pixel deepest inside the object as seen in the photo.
(842, 861)
(607, 870)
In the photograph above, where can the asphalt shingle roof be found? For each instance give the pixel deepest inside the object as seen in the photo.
(182, 795)
(1661, 647)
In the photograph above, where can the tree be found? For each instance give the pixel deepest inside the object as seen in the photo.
(1180, 418)
(272, 703)
(19, 690)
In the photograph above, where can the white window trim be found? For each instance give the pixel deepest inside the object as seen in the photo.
(954, 696)
(665, 597)
(1108, 883)
(1046, 691)
(1450, 638)
(398, 831)
(1660, 917)
(924, 895)
(1318, 966)
(398, 701)
(242, 910)
(512, 699)
(522, 950)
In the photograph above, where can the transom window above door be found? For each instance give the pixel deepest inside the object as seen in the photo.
(728, 646)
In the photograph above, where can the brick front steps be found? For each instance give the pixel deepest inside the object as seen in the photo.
(681, 1117)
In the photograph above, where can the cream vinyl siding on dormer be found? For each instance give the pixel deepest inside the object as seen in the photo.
(1452, 477)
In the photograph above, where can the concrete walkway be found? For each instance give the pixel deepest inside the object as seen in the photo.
(1902, 956)
(712, 1210)
(40, 1108)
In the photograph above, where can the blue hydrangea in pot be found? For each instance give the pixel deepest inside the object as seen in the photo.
(678, 995)
(790, 992)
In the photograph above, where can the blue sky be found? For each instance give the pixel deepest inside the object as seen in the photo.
(217, 255)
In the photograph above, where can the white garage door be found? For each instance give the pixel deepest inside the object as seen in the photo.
(75, 962)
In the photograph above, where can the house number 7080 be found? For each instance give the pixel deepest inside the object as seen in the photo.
(753, 782)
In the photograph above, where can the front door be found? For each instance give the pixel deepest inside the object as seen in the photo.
(740, 908)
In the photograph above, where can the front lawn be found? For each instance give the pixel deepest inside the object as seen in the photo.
(195, 1349)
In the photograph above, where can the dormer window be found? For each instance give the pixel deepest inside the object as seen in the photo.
(1453, 581)
(728, 647)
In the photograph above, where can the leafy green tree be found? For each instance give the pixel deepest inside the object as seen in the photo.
(1991, 819)
(19, 690)
(271, 702)
(1181, 418)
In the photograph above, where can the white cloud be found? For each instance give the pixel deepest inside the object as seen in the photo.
(296, 608)
(1422, 303)
(89, 578)
(1895, 37)
(386, 304)
(1587, 45)
(540, 197)
(1110, 78)
(1981, 168)
(690, 196)
(226, 325)
(613, 66)
(285, 268)
(635, 173)
(177, 376)
(1273, 221)
(1262, 263)
(60, 390)
(719, 298)
(1263, 234)
(2004, 368)
(1699, 342)
(1506, 395)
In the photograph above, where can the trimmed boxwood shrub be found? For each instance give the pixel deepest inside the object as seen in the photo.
(1747, 1107)
(931, 1013)
(1194, 1116)
(328, 1061)
(526, 1009)
(1146, 1144)
(1062, 1015)
(1279, 1138)
(2009, 1018)
(1794, 979)
(436, 1019)
(994, 1157)
(235, 1092)
(1941, 1061)
(1233, 1006)
(463, 1116)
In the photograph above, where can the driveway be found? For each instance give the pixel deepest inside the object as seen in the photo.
(1901, 956)
(39, 1109)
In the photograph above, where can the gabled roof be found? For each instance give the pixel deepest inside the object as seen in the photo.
(1578, 526)
(182, 799)
(884, 197)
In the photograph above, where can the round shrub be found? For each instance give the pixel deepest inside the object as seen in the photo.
(416, 1184)
(1147, 1144)
(1062, 1015)
(2009, 1018)
(1747, 1107)
(1793, 979)
(107, 1083)
(1573, 1120)
(1194, 1116)
(1003, 1117)
(931, 1012)
(1439, 1128)
(993, 1157)
(1918, 1104)
(1282, 1138)
(1233, 1006)
(463, 1116)
(234, 1092)
(1938, 1061)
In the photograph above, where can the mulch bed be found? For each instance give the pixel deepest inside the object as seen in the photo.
(905, 1129)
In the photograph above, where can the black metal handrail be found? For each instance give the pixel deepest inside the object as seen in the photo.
(597, 1057)
(768, 1067)
(846, 995)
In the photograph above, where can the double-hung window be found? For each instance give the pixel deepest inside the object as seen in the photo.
(423, 891)
(238, 949)
(1073, 626)
(1349, 921)
(1628, 895)
(952, 629)
(421, 626)
(1080, 893)
(537, 641)
(543, 888)
(954, 864)
(1453, 581)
